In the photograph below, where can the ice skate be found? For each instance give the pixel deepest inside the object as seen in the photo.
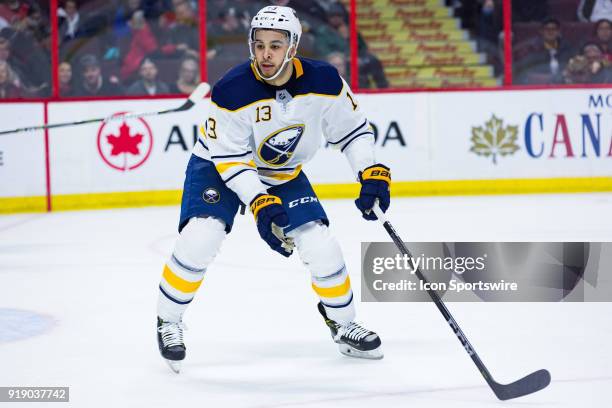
(170, 342)
(353, 339)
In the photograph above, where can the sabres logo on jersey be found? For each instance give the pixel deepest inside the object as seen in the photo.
(277, 149)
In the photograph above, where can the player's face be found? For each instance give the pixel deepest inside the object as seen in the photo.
(270, 48)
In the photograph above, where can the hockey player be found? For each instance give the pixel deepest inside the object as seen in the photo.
(265, 120)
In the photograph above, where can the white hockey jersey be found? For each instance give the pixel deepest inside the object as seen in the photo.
(259, 135)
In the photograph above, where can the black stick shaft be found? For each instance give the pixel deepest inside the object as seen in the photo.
(442, 307)
(200, 91)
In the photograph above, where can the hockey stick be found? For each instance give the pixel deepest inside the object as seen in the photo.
(197, 95)
(526, 385)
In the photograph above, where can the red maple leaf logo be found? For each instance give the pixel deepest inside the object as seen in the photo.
(124, 143)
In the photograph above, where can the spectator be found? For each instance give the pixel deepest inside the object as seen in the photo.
(599, 68)
(577, 70)
(141, 44)
(123, 15)
(603, 36)
(37, 25)
(335, 38)
(543, 59)
(595, 10)
(69, 21)
(93, 82)
(339, 61)
(228, 24)
(148, 84)
(28, 58)
(7, 87)
(488, 30)
(5, 56)
(188, 77)
(13, 11)
(182, 37)
(66, 87)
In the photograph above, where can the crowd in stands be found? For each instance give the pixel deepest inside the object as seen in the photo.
(127, 47)
(25, 62)
(151, 47)
(325, 25)
(554, 41)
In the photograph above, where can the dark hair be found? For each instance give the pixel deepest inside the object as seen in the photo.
(600, 22)
(145, 60)
(551, 20)
(89, 60)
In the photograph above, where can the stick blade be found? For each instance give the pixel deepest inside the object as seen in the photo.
(199, 93)
(196, 96)
(527, 385)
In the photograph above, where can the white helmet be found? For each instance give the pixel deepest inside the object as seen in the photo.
(276, 18)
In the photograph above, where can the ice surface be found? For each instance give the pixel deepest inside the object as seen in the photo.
(255, 338)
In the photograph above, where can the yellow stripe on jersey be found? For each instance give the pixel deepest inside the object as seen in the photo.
(299, 70)
(334, 291)
(179, 283)
(242, 107)
(223, 167)
(255, 72)
(285, 176)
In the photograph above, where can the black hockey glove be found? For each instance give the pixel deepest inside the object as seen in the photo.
(271, 218)
(375, 181)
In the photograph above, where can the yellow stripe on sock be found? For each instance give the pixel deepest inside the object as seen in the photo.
(179, 283)
(334, 291)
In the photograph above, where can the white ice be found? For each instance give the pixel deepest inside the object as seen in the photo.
(255, 338)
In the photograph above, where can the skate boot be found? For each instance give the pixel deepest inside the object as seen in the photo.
(353, 340)
(170, 342)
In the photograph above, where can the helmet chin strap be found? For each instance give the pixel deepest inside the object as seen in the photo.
(282, 68)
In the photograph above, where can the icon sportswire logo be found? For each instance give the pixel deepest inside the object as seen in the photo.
(494, 140)
(125, 145)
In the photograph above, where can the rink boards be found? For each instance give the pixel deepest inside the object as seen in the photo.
(455, 143)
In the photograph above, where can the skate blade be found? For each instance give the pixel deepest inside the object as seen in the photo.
(347, 350)
(174, 365)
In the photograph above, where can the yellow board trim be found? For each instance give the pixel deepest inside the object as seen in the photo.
(63, 202)
(12, 205)
(223, 167)
(179, 283)
(334, 291)
(66, 202)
